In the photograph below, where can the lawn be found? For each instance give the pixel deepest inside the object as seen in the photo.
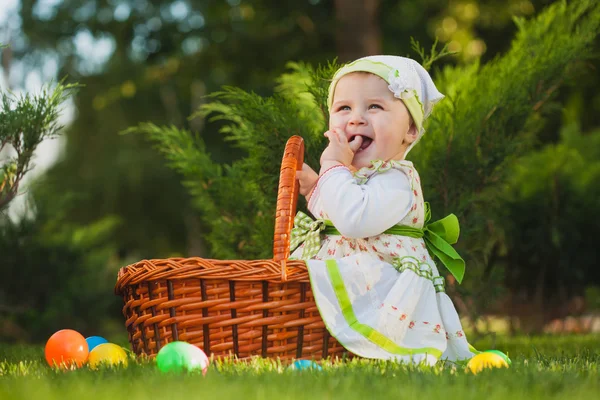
(548, 367)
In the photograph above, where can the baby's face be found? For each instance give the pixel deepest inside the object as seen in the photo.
(363, 105)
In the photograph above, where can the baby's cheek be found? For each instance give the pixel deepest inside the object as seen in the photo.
(336, 122)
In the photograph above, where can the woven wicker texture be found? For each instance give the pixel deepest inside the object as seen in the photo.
(231, 307)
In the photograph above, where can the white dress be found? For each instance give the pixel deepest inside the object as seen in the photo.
(380, 295)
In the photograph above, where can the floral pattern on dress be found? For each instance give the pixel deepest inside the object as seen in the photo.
(455, 335)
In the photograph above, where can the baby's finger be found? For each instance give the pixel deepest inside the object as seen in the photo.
(355, 143)
(341, 135)
(306, 168)
(343, 139)
(333, 137)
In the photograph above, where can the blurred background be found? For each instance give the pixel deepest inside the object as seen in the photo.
(98, 200)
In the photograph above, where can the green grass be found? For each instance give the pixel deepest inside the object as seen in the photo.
(549, 367)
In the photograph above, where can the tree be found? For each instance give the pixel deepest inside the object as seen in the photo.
(358, 33)
(164, 56)
(542, 217)
(25, 121)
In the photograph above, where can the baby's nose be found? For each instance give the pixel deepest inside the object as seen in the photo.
(357, 119)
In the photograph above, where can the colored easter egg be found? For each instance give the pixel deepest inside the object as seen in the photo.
(107, 354)
(305, 364)
(501, 354)
(486, 360)
(180, 357)
(94, 341)
(66, 349)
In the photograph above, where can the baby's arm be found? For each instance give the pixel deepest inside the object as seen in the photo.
(307, 179)
(360, 211)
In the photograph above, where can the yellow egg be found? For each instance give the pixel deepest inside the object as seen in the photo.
(107, 354)
(486, 360)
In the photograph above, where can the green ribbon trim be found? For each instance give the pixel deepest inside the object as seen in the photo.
(420, 268)
(366, 331)
(439, 236)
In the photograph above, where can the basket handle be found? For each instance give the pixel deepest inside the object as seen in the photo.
(287, 200)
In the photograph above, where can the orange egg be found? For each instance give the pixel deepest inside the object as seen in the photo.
(66, 349)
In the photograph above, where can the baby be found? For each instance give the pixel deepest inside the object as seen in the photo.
(369, 254)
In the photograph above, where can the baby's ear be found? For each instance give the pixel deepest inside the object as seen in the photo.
(412, 134)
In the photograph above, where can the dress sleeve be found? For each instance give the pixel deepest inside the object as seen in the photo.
(363, 210)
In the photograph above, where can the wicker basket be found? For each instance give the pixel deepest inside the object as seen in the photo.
(231, 307)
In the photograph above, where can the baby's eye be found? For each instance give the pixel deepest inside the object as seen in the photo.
(374, 106)
(343, 108)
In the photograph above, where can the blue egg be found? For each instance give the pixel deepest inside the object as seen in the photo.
(305, 364)
(94, 341)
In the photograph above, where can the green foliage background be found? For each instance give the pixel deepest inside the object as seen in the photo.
(512, 150)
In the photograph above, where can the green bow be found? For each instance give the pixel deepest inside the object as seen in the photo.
(439, 236)
(307, 231)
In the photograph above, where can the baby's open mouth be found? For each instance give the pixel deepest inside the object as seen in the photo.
(366, 142)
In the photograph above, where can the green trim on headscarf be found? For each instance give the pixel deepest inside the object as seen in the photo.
(374, 67)
(415, 108)
(382, 70)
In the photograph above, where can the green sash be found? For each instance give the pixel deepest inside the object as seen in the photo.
(439, 236)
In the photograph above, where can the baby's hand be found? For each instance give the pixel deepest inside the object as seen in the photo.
(307, 178)
(339, 151)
